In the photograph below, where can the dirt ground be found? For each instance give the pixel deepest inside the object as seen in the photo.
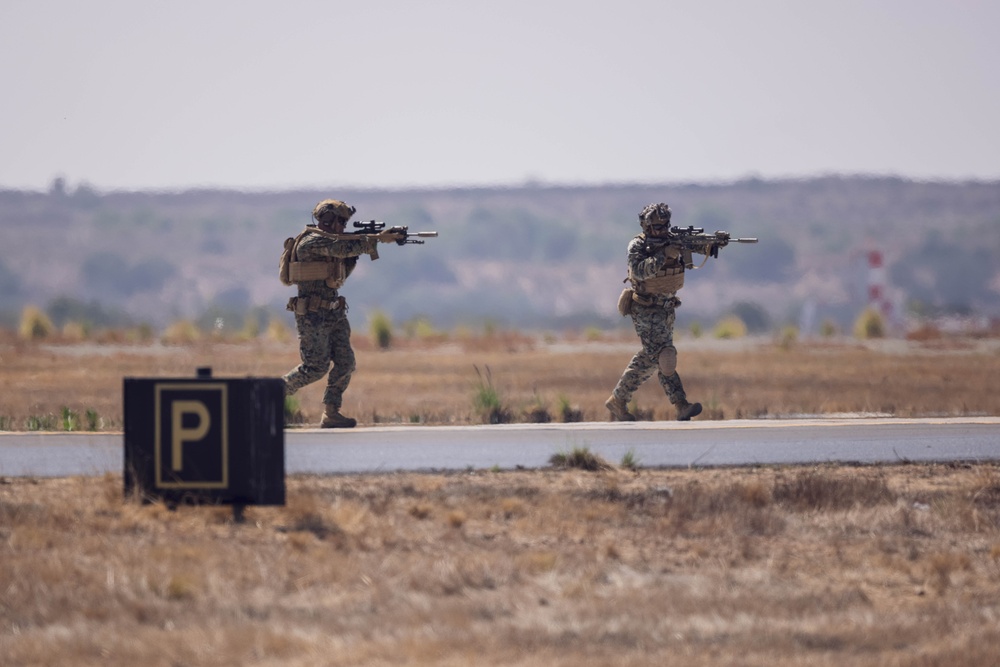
(826, 565)
(831, 565)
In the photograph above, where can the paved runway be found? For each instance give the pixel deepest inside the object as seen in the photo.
(652, 444)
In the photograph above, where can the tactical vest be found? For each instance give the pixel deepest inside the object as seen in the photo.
(333, 270)
(669, 278)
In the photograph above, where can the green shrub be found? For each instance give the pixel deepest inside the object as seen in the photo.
(251, 328)
(35, 325)
(293, 414)
(76, 331)
(870, 324)
(580, 457)
(181, 332)
(730, 327)
(788, 337)
(568, 411)
(486, 400)
(630, 461)
(70, 419)
(537, 412)
(41, 423)
(420, 328)
(277, 332)
(380, 327)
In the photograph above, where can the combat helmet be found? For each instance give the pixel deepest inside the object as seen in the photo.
(329, 209)
(654, 214)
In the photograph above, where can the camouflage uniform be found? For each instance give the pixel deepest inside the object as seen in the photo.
(653, 316)
(321, 316)
(325, 334)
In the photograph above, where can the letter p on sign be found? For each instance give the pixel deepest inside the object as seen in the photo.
(191, 426)
(181, 434)
(205, 439)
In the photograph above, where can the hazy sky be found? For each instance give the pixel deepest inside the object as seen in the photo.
(133, 94)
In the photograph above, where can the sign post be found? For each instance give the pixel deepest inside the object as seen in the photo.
(205, 440)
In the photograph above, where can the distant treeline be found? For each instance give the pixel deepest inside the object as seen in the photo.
(533, 256)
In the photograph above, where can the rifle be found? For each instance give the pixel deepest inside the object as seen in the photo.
(374, 227)
(695, 238)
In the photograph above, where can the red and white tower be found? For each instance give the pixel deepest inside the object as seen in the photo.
(877, 297)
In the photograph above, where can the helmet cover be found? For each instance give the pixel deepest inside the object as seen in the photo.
(655, 214)
(329, 209)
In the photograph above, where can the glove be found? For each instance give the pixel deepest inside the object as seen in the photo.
(390, 236)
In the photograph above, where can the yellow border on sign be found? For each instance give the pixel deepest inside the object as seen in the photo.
(158, 389)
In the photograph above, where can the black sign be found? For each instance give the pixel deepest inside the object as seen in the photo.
(205, 439)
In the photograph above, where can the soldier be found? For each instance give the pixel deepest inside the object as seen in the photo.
(656, 271)
(319, 261)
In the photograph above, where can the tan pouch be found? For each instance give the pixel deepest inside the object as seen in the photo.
(625, 302)
(302, 272)
(667, 284)
(286, 260)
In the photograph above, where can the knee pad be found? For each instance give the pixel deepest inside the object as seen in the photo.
(667, 360)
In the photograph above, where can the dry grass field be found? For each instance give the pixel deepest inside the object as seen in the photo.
(828, 565)
(437, 382)
(820, 566)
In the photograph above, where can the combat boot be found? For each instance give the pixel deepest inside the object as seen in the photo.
(333, 419)
(619, 410)
(687, 410)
